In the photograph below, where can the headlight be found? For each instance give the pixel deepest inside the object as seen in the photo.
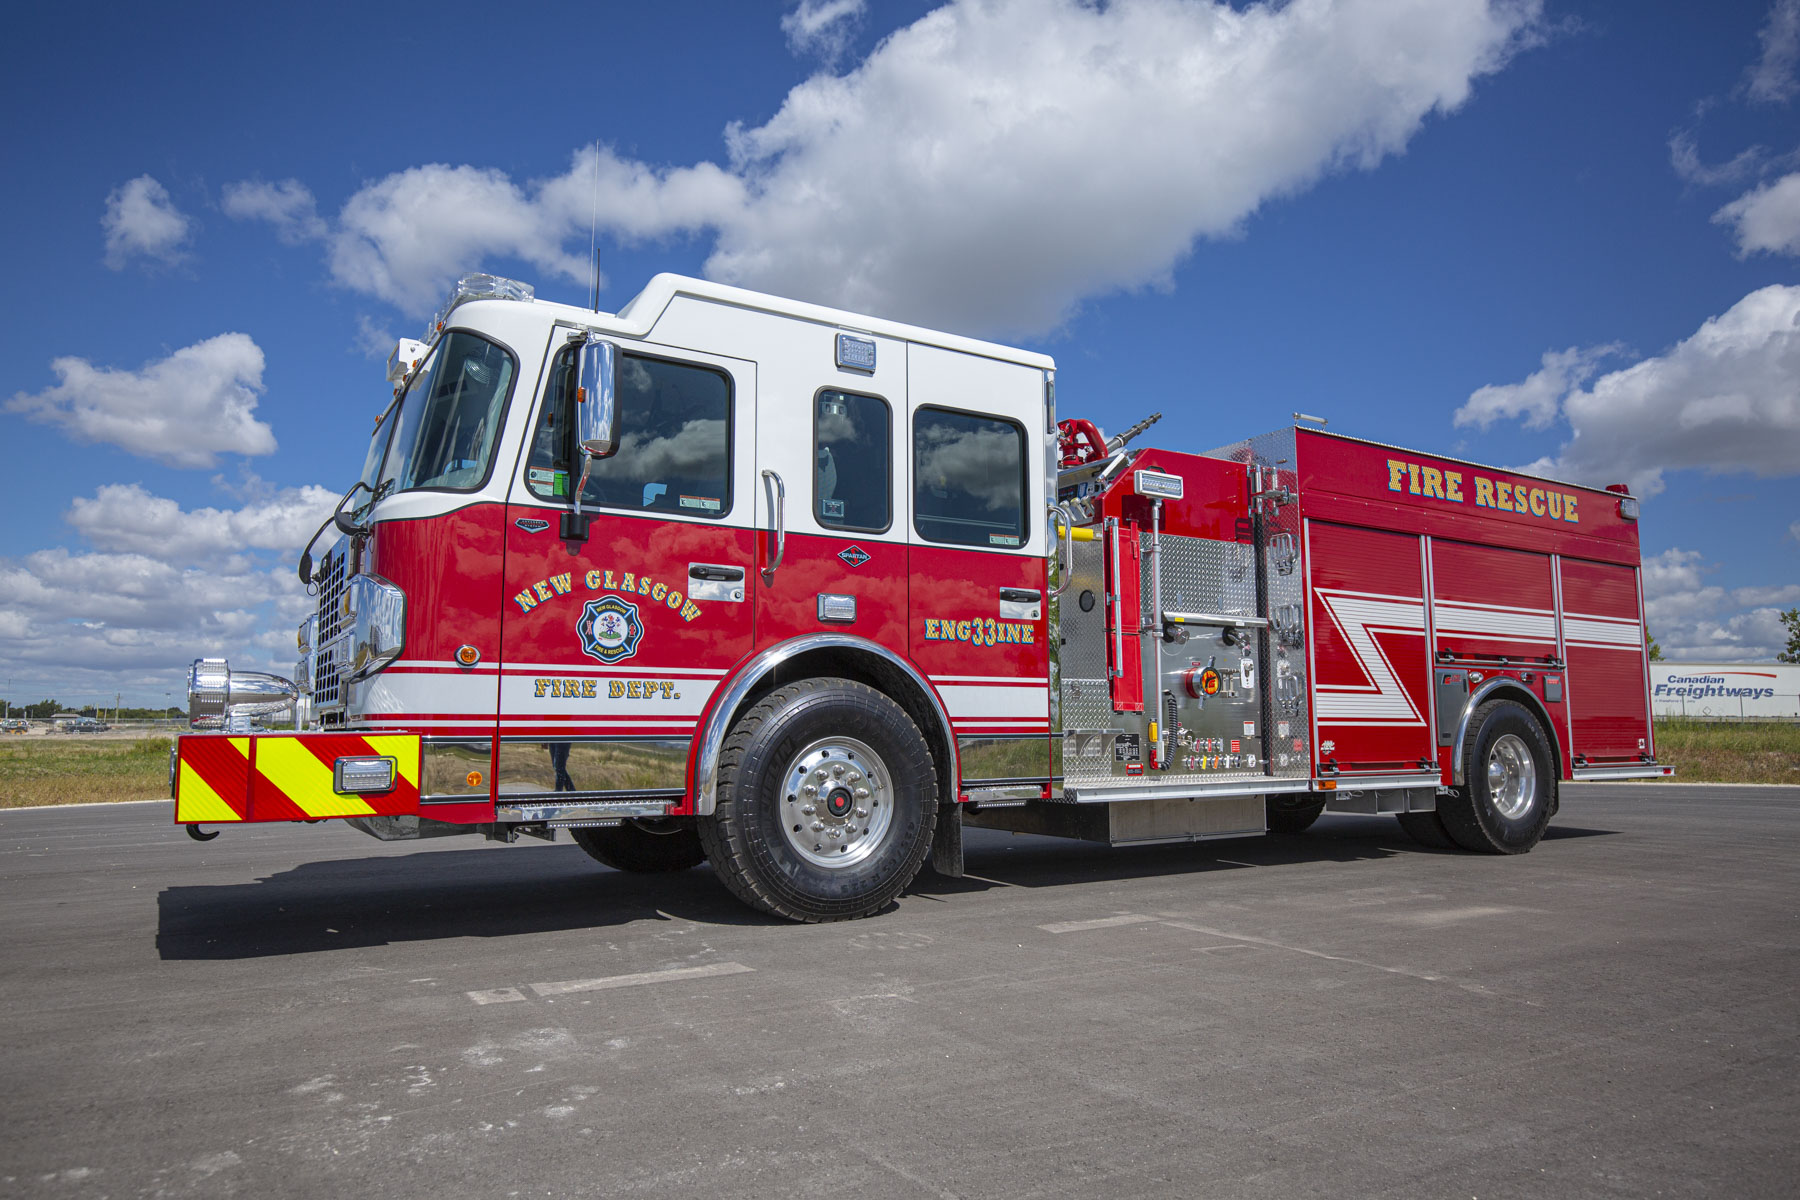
(379, 633)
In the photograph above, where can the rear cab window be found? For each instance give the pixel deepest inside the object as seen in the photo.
(969, 483)
(852, 461)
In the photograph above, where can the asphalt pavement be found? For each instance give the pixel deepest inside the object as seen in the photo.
(299, 1010)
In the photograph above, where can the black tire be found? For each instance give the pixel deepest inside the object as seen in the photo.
(1293, 813)
(1427, 829)
(1509, 788)
(773, 844)
(643, 847)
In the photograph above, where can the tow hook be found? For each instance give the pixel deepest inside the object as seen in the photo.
(194, 832)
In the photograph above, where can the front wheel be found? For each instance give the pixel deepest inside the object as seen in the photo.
(1509, 783)
(827, 798)
(644, 847)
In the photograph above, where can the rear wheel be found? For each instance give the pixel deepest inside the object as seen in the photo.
(1509, 783)
(827, 798)
(1427, 829)
(1293, 814)
(643, 846)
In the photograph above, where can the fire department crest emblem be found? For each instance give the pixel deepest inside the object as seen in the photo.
(609, 629)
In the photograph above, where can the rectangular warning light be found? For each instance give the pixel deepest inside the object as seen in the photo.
(1157, 485)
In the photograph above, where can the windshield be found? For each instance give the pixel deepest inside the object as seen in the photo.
(378, 443)
(450, 417)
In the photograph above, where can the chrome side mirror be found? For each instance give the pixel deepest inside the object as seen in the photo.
(596, 412)
(596, 421)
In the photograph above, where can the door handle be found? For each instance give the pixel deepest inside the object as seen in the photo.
(1020, 595)
(721, 574)
(777, 493)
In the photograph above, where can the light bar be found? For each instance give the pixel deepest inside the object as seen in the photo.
(478, 287)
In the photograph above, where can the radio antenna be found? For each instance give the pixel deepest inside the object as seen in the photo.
(594, 228)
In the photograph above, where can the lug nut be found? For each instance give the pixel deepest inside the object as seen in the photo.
(808, 811)
(817, 825)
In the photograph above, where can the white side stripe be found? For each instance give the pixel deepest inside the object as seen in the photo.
(1608, 633)
(1502, 624)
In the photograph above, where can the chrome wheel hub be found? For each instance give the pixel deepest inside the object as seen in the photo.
(1511, 776)
(836, 802)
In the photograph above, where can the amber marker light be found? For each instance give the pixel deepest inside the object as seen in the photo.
(473, 779)
(468, 656)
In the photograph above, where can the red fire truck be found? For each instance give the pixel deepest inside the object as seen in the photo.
(801, 593)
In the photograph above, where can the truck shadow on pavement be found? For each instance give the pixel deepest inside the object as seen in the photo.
(349, 903)
(431, 894)
(995, 859)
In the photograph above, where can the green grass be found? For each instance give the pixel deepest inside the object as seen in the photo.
(1730, 751)
(50, 769)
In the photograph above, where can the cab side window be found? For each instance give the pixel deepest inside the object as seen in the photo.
(968, 478)
(852, 461)
(674, 452)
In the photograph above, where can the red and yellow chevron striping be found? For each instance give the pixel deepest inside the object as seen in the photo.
(287, 777)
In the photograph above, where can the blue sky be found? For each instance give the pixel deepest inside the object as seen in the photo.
(1564, 233)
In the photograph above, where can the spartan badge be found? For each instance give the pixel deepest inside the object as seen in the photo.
(609, 629)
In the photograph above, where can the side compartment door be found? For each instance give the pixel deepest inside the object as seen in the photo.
(1371, 669)
(612, 646)
(1603, 636)
(976, 621)
(1491, 603)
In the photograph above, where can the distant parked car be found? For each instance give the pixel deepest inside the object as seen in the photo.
(87, 725)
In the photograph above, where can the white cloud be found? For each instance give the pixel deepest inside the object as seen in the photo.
(1539, 398)
(987, 167)
(125, 517)
(163, 586)
(1695, 621)
(141, 221)
(1684, 156)
(1772, 79)
(1767, 218)
(1727, 399)
(288, 206)
(183, 410)
(823, 27)
(408, 236)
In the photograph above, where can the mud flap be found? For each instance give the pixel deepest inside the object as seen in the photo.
(947, 842)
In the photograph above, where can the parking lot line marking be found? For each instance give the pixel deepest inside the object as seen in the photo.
(497, 996)
(1274, 945)
(1097, 923)
(1449, 916)
(637, 980)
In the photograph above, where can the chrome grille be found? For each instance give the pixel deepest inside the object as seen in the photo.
(331, 654)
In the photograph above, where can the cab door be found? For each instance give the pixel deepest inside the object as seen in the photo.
(831, 537)
(612, 644)
(976, 607)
